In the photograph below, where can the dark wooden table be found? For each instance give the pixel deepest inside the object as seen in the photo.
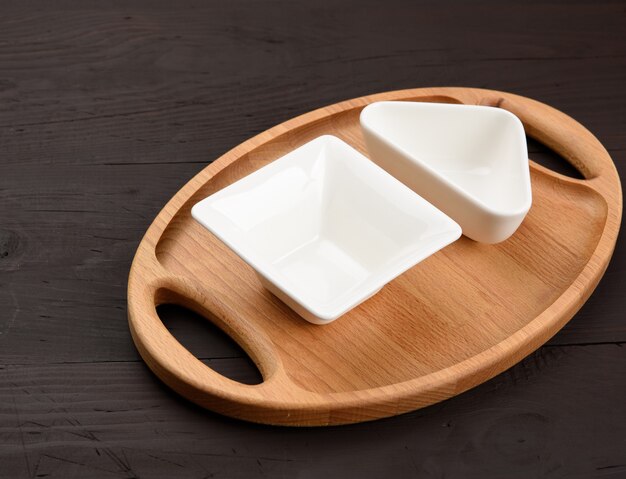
(108, 108)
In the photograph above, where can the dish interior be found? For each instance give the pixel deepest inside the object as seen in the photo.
(326, 225)
(481, 150)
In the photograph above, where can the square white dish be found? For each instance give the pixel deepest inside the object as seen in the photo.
(469, 161)
(324, 227)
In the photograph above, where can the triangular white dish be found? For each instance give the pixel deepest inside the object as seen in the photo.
(471, 162)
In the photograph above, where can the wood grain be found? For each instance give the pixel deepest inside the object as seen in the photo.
(117, 420)
(107, 108)
(450, 323)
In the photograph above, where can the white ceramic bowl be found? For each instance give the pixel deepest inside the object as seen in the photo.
(469, 161)
(324, 227)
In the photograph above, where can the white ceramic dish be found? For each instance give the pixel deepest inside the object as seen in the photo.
(324, 227)
(471, 162)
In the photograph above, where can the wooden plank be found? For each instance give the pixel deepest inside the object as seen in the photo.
(117, 420)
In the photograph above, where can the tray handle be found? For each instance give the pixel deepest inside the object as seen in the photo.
(184, 373)
(565, 136)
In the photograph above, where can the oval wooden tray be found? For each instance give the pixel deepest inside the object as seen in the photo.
(452, 322)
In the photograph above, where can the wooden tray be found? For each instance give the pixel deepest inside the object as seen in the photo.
(452, 322)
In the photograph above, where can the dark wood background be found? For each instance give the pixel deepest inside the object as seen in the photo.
(108, 108)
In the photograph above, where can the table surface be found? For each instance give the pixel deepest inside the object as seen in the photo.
(108, 108)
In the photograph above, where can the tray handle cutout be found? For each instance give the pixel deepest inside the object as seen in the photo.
(559, 132)
(185, 373)
(547, 158)
(209, 344)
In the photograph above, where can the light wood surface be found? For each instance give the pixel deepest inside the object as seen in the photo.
(450, 323)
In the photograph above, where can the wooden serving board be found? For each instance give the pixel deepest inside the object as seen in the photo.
(455, 320)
